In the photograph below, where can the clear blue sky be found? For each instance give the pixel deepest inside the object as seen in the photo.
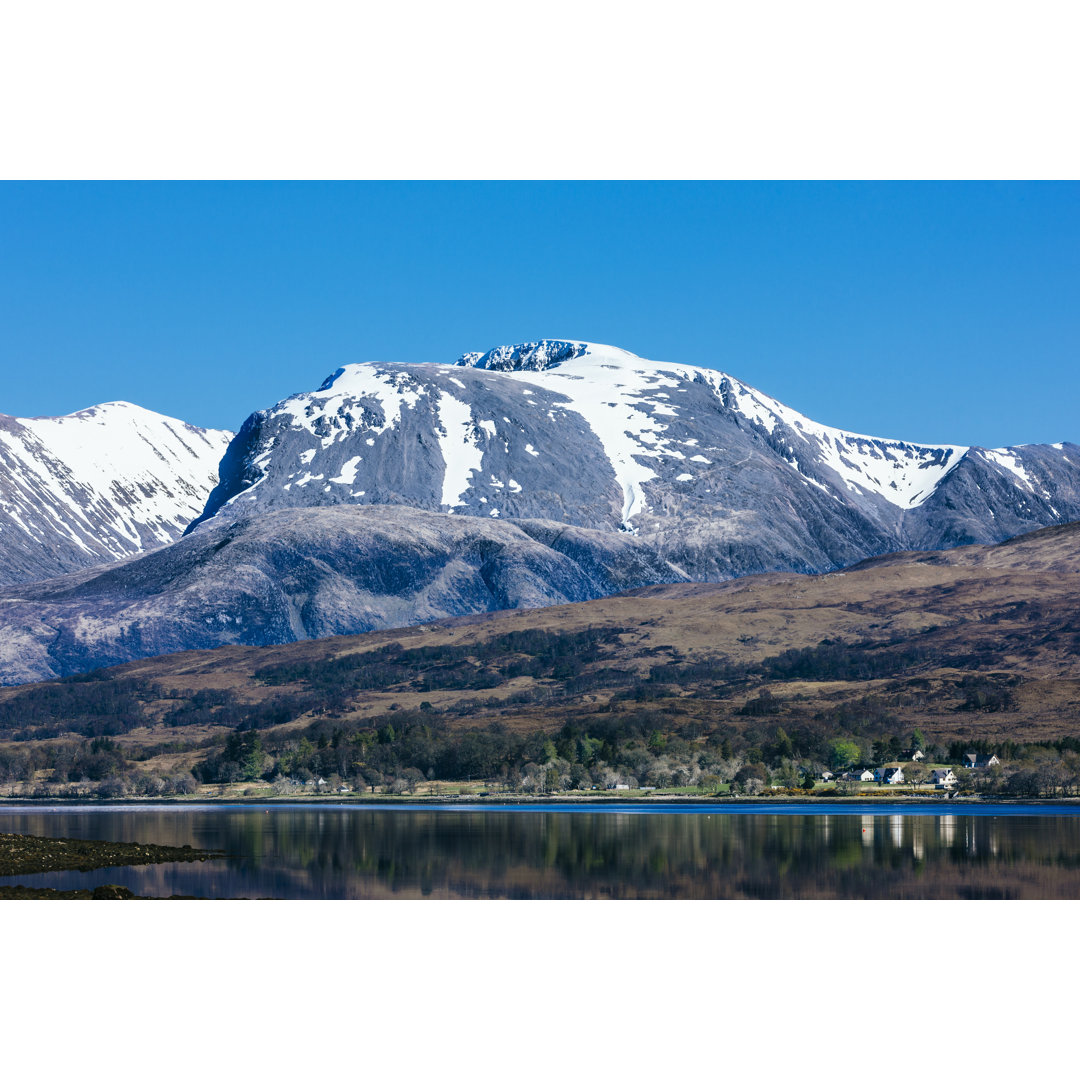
(935, 312)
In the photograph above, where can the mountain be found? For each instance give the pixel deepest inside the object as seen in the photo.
(527, 476)
(98, 485)
(717, 477)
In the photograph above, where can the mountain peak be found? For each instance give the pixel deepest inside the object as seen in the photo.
(540, 355)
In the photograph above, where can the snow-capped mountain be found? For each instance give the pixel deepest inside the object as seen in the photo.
(98, 485)
(530, 475)
(718, 477)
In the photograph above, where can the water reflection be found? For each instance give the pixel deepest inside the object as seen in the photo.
(867, 821)
(299, 853)
(896, 829)
(947, 829)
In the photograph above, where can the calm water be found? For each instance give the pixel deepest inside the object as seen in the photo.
(349, 852)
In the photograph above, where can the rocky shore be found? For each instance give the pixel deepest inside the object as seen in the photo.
(40, 854)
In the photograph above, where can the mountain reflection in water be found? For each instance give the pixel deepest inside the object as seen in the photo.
(334, 852)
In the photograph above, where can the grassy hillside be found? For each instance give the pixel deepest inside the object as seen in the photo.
(977, 646)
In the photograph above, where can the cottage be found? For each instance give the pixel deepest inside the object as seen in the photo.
(980, 761)
(917, 755)
(889, 775)
(858, 775)
(943, 778)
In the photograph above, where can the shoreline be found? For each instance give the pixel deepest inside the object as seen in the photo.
(527, 800)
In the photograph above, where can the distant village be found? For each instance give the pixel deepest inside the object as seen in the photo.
(941, 779)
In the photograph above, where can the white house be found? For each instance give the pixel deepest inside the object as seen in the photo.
(860, 775)
(917, 755)
(892, 774)
(980, 761)
(943, 778)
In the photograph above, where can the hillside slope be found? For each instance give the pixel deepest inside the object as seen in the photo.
(981, 642)
(287, 575)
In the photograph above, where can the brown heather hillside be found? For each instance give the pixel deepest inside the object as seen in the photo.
(979, 642)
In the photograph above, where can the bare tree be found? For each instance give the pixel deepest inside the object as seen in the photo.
(916, 774)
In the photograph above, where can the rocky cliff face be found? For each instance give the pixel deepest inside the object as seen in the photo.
(98, 485)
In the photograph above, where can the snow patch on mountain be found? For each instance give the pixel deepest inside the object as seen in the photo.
(1008, 459)
(462, 450)
(319, 412)
(348, 471)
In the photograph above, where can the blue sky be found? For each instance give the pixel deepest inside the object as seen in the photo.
(934, 312)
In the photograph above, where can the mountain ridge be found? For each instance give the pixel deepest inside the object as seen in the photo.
(535, 474)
